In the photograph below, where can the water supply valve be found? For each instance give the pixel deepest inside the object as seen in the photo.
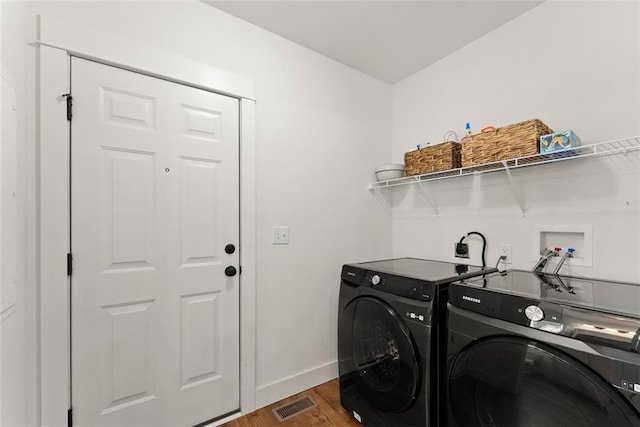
(567, 254)
(544, 257)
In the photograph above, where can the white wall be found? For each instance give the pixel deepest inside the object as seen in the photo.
(16, 337)
(321, 129)
(574, 65)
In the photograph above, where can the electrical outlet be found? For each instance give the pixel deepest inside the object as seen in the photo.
(461, 250)
(505, 250)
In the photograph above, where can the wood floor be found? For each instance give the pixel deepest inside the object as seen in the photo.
(329, 412)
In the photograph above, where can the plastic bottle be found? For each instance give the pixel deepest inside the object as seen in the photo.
(467, 129)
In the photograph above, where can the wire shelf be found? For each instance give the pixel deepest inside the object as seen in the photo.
(619, 146)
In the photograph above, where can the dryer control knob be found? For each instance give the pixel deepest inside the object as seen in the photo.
(533, 312)
(375, 280)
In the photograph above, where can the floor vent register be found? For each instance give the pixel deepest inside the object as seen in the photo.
(294, 408)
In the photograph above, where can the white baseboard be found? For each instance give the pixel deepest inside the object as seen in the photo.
(224, 420)
(278, 390)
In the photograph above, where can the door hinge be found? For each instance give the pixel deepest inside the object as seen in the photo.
(69, 105)
(70, 417)
(69, 264)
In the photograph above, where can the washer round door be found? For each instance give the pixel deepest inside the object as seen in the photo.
(512, 381)
(380, 358)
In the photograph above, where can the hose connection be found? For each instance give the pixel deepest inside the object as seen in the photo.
(567, 254)
(547, 253)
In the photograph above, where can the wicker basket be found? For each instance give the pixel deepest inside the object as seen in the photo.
(507, 142)
(434, 158)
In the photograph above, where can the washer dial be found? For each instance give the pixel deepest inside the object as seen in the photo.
(375, 280)
(533, 312)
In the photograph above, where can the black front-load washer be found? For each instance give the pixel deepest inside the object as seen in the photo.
(388, 333)
(530, 349)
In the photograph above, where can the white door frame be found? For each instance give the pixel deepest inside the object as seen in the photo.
(56, 42)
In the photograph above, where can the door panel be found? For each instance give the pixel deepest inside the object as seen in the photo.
(129, 187)
(127, 329)
(200, 245)
(155, 198)
(199, 340)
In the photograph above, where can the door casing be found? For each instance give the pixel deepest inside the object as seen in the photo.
(56, 42)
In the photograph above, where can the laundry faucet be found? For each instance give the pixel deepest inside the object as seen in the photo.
(568, 254)
(544, 257)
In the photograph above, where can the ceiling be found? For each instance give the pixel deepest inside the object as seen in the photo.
(387, 39)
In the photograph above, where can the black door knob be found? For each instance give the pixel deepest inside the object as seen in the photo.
(229, 249)
(230, 271)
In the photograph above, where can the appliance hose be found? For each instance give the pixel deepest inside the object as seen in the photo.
(484, 244)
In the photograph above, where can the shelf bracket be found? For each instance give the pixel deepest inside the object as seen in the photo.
(381, 198)
(514, 187)
(432, 199)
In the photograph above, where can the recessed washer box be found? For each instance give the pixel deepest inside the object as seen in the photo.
(579, 237)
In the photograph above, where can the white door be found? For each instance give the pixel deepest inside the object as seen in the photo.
(154, 202)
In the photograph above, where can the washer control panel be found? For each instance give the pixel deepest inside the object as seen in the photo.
(398, 285)
(512, 308)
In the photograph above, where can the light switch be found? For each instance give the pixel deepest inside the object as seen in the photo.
(280, 235)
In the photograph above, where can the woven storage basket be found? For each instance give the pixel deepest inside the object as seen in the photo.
(434, 158)
(507, 142)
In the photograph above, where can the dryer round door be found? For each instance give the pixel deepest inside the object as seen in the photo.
(513, 381)
(382, 361)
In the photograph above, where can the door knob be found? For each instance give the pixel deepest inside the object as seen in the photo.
(229, 249)
(230, 271)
